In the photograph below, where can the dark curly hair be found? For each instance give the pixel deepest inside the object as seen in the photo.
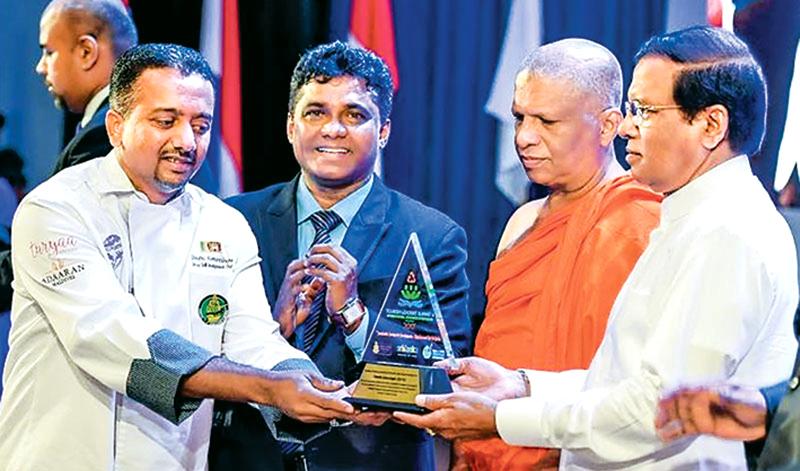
(719, 70)
(337, 59)
(136, 60)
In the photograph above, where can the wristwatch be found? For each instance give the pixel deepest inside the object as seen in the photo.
(349, 314)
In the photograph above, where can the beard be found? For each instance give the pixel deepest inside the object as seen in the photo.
(168, 186)
(176, 185)
(59, 103)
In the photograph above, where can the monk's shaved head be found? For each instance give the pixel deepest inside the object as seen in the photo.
(587, 65)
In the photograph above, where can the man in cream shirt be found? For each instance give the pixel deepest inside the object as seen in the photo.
(711, 299)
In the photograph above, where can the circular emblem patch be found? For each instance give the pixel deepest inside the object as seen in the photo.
(213, 309)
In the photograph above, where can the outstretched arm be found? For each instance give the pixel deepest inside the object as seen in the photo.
(302, 395)
(730, 412)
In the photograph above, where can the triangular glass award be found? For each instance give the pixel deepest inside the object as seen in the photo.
(408, 336)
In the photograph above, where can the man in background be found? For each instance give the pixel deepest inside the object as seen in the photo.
(80, 40)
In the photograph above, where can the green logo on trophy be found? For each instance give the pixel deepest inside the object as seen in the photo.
(409, 335)
(410, 294)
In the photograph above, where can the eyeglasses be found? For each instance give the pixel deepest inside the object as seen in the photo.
(641, 113)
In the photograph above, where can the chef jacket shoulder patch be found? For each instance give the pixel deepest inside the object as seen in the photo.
(213, 309)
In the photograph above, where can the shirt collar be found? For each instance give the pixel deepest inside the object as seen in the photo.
(346, 208)
(719, 181)
(113, 179)
(93, 105)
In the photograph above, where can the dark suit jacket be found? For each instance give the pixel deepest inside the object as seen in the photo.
(782, 447)
(376, 238)
(90, 142)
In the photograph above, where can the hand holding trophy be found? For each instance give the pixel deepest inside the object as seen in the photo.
(409, 335)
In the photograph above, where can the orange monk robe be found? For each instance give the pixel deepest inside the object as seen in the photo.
(549, 295)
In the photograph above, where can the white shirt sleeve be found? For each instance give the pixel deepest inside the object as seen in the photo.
(606, 419)
(697, 330)
(549, 383)
(61, 269)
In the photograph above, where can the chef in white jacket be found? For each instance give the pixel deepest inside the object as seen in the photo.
(136, 292)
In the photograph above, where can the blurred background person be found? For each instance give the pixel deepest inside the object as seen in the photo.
(12, 188)
(80, 39)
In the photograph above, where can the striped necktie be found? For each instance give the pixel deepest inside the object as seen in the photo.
(324, 222)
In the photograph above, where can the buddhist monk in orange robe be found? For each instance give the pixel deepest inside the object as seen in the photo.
(562, 260)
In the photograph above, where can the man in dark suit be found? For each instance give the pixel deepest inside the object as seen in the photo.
(80, 40)
(89, 142)
(338, 121)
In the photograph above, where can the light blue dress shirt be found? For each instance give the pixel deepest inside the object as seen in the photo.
(347, 208)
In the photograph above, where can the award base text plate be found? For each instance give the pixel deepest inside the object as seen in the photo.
(391, 386)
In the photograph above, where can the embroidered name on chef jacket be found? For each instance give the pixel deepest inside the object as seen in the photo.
(61, 273)
(211, 256)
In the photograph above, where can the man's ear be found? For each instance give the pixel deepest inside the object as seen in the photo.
(114, 125)
(290, 127)
(383, 135)
(610, 120)
(88, 51)
(716, 120)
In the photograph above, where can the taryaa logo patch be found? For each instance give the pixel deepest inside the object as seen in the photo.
(213, 309)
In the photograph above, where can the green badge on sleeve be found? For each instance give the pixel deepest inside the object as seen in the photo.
(213, 309)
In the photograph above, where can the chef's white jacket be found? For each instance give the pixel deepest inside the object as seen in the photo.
(116, 300)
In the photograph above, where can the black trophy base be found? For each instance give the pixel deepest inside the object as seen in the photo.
(384, 406)
(393, 387)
